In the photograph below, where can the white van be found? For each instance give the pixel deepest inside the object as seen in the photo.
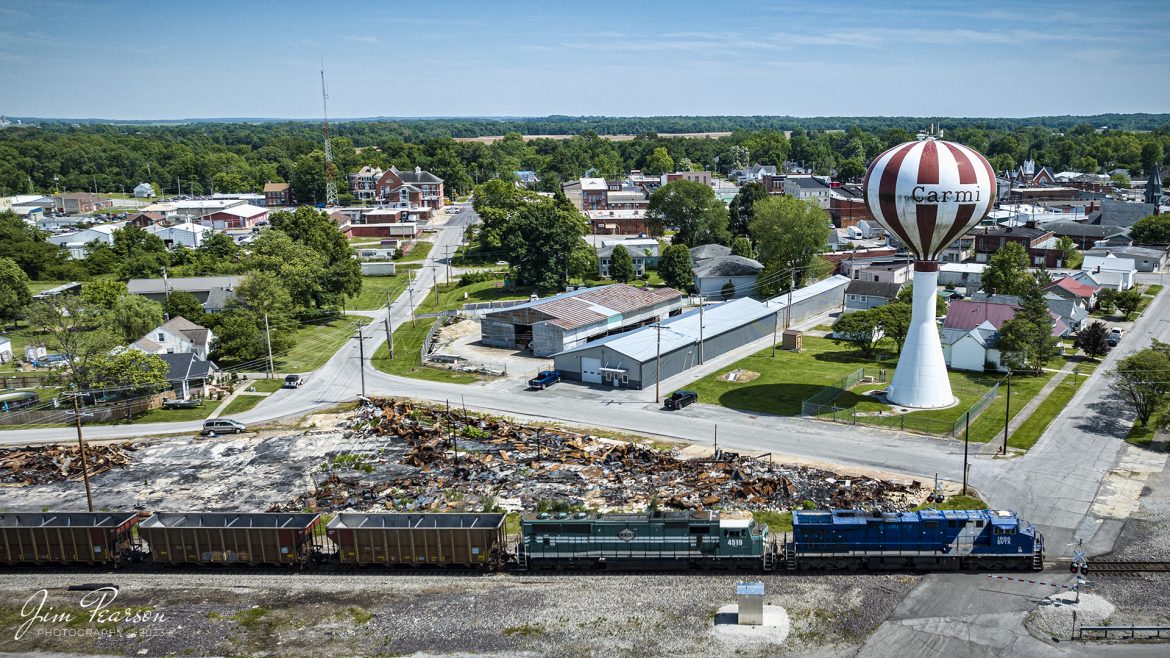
(223, 426)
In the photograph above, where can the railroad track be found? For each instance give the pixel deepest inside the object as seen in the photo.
(1121, 567)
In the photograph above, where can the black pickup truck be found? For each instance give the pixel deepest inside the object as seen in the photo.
(680, 399)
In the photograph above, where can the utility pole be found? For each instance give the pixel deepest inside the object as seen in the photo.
(435, 280)
(362, 357)
(966, 440)
(1007, 412)
(658, 364)
(389, 330)
(81, 448)
(717, 441)
(701, 305)
(775, 331)
(788, 309)
(410, 294)
(268, 342)
(447, 257)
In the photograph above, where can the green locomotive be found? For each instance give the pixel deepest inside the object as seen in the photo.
(648, 540)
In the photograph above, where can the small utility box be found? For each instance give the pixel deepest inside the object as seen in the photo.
(751, 603)
(793, 340)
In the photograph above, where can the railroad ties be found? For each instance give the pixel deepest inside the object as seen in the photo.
(1126, 568)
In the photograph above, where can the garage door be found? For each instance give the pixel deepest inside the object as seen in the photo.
(591, 370)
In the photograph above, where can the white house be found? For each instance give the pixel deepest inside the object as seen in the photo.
(5, 350)
(971, 349)
(176, 336)
(962, 275)
(144, 190)
(187, 234)
(75, 241)
(1110, 271)
(30, 214)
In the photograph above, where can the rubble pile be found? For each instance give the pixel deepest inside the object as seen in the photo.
(457, 461)
(48, 464)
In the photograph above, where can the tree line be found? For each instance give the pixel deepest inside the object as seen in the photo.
(240, 157)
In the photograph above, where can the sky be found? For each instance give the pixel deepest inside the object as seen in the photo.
(253, 58)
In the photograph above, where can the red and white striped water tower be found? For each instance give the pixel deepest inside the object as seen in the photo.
(927, 193)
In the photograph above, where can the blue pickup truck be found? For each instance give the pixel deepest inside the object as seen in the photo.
(544, 379)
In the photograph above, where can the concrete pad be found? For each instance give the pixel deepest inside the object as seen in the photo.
(952, 595)
(774, 630)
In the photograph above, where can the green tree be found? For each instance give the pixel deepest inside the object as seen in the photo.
(26, 245)
(100, 259)
(1093, 340)
(1070, 256)
(851, 169)
(1007, 271)
(1107, 300)
(74, 329)
(659, 162)
(789, 234)
(862, 328)
(261, 293)
(239, 338)
(894, 318)
(675, 267)
(690, 207)
(14, 294)
(132, 316)
(742, 247)
(1026, 340)
(1127, 301)
(1154, 229)
(298, 268)
(103, 293)
(906, 296)
(1120, 180)
(742, 207)
(182, 304)
(130, 369)
(1141, 378)
(621, 265)
(540, 240)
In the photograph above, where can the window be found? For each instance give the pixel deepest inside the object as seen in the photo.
(161, 336)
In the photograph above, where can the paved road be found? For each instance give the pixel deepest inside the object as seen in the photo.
(1053, 484)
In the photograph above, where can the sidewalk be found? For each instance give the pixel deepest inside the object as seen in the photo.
(993, 446)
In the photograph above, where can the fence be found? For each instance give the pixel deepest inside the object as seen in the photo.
(29, 381)
(822, 407)
(90, 414)
(451, 361)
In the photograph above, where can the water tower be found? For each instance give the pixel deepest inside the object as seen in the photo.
(927, 193)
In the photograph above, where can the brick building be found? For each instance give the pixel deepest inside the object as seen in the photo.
(277, 195)
(416, 188)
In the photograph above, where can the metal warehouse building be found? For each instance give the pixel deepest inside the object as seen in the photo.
(562, 322)
(630, 359)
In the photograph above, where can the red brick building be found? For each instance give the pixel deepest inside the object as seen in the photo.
(1039, 243)
(417, 188)
(277, 195)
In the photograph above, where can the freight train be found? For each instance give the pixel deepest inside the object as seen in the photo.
(820, 539)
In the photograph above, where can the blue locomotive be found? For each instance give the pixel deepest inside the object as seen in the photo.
(929, 539)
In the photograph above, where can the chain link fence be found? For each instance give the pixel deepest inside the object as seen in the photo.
(822, 406)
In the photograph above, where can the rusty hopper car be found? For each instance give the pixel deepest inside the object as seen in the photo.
(469, 540)
(281, 539)
(66, 537)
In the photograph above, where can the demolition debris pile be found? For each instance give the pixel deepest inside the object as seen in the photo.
(446, 460)
(49, 464)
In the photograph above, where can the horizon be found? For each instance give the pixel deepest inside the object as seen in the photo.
(523, 60)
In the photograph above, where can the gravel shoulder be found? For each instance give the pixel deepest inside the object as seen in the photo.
(221, 613)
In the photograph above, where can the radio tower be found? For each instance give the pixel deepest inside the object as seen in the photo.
(330, 170)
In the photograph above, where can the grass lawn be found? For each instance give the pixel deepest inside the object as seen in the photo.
(374, 289)
(420, 251)
(408, 342)
(313, 345)
(1031, 429)
(265, 385)
(451, 296)
(36, 287)
(1153, 290)
(790, 378)
(1141, 436)
(161, 415)
(241, 404)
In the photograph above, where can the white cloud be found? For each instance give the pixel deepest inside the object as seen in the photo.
(361, 38)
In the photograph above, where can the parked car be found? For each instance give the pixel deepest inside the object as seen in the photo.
(1114, 336)
(502, 262)
(680, 399)
(544, 379)
(223, 426)
(182, 404)
(293, 381)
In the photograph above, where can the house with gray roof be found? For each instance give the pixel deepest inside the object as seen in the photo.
(972, 349)
(1145, 259)
(1086, 236)
(176, 336)
(213, 292)
(714, 275)
(189, 374)
(861, 295)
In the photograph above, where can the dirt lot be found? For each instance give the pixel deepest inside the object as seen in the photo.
(218, 613)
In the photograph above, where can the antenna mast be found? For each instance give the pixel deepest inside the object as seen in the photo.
(330, 170)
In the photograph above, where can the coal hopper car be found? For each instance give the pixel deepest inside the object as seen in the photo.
(414, 540)
(229, 537)
(66, 537)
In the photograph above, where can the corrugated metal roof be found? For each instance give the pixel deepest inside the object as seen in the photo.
(587, 306)
(681, 330)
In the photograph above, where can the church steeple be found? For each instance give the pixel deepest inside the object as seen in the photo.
(1154, 186)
